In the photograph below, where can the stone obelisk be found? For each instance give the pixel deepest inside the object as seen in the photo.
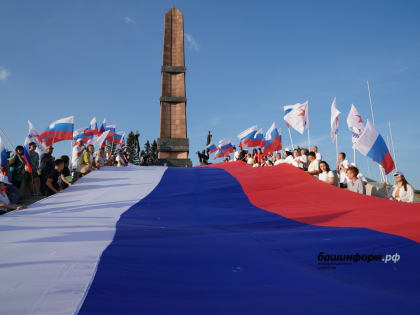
(173, 144)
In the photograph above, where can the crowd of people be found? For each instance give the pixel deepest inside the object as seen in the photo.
(346, 176)
(50, 175)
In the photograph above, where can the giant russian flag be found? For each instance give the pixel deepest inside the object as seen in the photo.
(372, 144)
(59, 130)
(228, 239)
(272, 140)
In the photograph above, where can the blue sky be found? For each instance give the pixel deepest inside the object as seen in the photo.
(244, 59)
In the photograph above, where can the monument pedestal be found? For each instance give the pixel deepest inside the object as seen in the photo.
(173, 152)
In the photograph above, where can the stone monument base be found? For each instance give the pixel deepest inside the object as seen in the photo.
(173, 152)
(175, 162)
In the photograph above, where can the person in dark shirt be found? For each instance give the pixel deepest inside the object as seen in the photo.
(65, 179)
(52, 182)
(17, 167)
(47, 166)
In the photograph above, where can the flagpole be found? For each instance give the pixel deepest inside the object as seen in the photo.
(373, 121)
(309, 137)
(12, 147)
(354, 155)
(336, 145)
(368, 167)
(291, 141)
(392, 143)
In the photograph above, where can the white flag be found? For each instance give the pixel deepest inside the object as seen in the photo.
(334, 119)
(97, 141)
(33, 136)
(355, 123)
(297, 116)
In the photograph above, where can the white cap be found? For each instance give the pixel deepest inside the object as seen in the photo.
(287, 149)
(4, 179)
(79, 140)
(398, 173)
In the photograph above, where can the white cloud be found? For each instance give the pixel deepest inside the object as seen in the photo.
(4, 73)
(129, 20)
(191, 41)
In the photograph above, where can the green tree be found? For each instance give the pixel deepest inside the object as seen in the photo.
(132, 148)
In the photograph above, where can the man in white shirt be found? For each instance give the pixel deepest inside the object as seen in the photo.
(313, 167)
(249, 159)
(76, 156)
(278, 160)
(235, 154)
(342, 166)
(303, 159)
(317, 154)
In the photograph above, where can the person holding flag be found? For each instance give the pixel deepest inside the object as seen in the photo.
(32, 178)
(17, 165)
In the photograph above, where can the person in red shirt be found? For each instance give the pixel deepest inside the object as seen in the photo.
(259, 156)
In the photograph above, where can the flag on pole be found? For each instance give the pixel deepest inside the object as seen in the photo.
(297, 116)
(226, 146)
(219, 154)
(111, 134)
(26, 155)
(97, 141)
(92, 129)
(370, 143)
(272, 140)
(80, 134)
(103, 125)
(118, 137)
(247, 134)
(334, 120)
(288, 109)
(257, 140)
(34, 137)
(211, 148)
(3, 154)
(355, 123)
(59, 130)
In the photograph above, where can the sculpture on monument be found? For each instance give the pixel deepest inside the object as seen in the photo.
(209, 136)
(173, 144)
